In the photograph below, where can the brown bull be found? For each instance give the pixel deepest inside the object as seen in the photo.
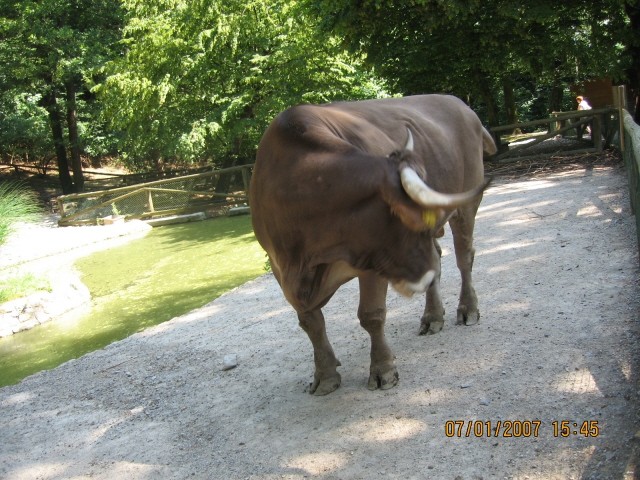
(362, 189)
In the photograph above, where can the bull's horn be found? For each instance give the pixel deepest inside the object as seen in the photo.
(409, 146)
(427, 197)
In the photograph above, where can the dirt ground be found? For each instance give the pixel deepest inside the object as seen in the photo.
(557, 276)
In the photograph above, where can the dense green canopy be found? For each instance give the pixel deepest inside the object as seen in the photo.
(482, 50)
(200, 79)
(181, 81)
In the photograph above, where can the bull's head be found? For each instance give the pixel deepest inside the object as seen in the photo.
(435, 209)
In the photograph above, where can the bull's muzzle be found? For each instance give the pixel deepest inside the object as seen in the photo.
(407, 289)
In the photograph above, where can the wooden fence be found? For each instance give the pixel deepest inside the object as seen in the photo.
(96, 180)
(630, 146)
(172, 196)
(603, 127)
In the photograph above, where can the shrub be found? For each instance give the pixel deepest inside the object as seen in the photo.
(17, 204)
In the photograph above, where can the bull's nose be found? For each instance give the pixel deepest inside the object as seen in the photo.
(407, 289)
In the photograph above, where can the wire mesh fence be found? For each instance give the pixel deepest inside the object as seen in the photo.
(172, 196)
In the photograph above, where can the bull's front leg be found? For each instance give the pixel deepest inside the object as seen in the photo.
(326, 378)
(462, 228)
(433, 318)
(468, 312)
(372, 313)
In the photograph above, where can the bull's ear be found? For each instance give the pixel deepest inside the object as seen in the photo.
(413, 216)
(410, 214)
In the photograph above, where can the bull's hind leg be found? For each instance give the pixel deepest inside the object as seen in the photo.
(433, 318)
(372, 313)
(326, 378)
(462, 224)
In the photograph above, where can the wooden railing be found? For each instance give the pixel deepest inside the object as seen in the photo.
(170, 196)
(630, 146)
(602, 122)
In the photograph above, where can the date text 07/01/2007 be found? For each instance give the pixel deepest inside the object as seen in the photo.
(520, 428)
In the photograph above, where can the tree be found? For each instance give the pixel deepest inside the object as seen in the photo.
(201, 79)
(481, 49)
(51, 50)
(24, 130)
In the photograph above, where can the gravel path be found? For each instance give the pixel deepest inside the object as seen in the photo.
(557, 278)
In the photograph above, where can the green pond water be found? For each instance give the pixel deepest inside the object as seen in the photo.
(171, 271)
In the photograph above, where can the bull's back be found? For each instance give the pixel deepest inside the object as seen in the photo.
(449, 138)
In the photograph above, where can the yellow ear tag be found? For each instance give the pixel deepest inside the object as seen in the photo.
(429, 218)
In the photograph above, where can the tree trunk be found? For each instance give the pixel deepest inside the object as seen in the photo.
(555, 98)
(157, 162)
(50, 102)
(488, 98)
(224, 181)
(74, 145)
(510, 103)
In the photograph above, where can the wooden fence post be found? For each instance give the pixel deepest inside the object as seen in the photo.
(245, 180)
(150, 200)
(556, 124)
(618, 101)
(596, 133)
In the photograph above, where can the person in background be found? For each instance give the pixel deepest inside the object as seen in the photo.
(583, 105)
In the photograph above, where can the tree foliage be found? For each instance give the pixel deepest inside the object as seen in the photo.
(50, 50)
(198, 81)
(201, 79)
(481, 50)
(24, 130)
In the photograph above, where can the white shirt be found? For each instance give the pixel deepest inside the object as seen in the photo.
(584, 105)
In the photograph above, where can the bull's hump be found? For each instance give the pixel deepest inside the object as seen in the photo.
(332, 128)
(301, 119)
(300, 125)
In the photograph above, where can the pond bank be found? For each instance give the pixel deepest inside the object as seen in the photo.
(47, 251)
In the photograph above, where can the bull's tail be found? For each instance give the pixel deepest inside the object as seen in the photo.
(488, 145)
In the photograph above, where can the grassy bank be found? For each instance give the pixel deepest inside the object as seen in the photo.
(17, 204)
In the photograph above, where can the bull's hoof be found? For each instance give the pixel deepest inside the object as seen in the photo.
(430, 324)
(467, 317)
(383, 380)
(325, 386)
